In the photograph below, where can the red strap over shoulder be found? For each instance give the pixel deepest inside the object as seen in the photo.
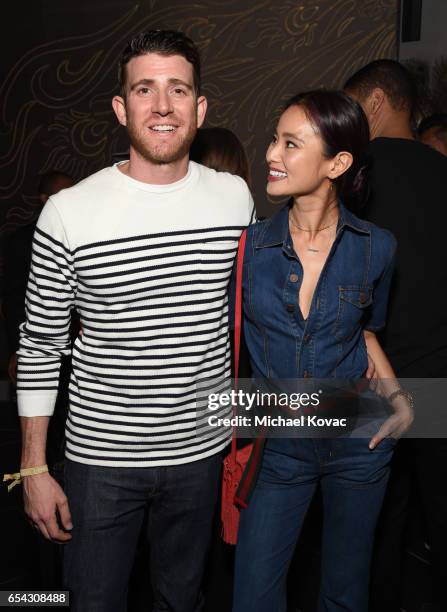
(238, 318)
(238, 305)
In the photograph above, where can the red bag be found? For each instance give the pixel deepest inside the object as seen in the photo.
(235, 462)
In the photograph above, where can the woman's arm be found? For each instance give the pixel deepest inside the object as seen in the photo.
(388, 384)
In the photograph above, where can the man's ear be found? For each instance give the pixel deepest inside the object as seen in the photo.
(375, 100)
(202, 105)
(119, 106)
(340, 164)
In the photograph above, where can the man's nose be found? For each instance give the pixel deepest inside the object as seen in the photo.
(163, 104)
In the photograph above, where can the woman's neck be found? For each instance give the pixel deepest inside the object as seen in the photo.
(311, 215)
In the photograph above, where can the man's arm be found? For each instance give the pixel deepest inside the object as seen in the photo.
(42, 495)
(45, 338)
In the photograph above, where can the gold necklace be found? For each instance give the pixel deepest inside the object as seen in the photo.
(303, 229)
(320, 229)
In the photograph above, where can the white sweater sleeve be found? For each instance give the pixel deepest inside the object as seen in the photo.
(44, 336)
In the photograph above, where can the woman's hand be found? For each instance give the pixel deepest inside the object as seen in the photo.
(398, 423)
(387, 385)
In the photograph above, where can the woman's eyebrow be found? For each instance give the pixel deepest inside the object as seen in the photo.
(291, 135)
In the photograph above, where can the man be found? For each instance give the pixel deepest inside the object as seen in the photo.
(17, 253)
(407, 197)
(144, 251)
(432, 131)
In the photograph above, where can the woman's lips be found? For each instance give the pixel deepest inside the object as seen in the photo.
(276, 175)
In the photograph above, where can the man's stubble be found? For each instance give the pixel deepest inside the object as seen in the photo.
(162, 153)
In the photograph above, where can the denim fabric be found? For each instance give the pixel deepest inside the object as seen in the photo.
(353, 480)
(351, 296)
(109, 506)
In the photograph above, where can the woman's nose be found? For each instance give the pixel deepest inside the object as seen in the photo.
(272, 152)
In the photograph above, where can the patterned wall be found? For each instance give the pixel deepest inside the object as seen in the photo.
(59, 75)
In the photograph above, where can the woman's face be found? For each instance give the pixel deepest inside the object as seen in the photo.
(295, 157)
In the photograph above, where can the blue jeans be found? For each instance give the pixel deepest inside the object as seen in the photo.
(108, 507)
(353, 480)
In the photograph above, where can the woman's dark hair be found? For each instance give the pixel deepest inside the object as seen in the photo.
(163, 42)
(342, 126)
(220, 149)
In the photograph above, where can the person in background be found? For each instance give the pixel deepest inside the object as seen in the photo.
(432, 131)
(407, 197)
(17, 258)
(220, 149)
(315, 290)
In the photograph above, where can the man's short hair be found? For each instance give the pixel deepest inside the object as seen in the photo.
(437, 121)
(388, 75)
(164, 42)
(47, 181)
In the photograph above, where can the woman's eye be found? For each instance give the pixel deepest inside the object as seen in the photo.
(274, 140)
(290, 145)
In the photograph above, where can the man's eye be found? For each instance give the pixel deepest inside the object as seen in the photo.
(143, 90)
(179, 91)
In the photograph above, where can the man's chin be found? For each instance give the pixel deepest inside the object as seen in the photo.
(163, 157)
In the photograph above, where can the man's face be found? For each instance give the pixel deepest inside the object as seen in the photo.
(161, 110)
(432, 138)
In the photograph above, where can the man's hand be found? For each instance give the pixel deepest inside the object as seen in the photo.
(12, 368)
(43, 498)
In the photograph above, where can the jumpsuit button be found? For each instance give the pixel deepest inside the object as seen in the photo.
(307, 338)
(290, 307)
(306, 374)
(293, 278)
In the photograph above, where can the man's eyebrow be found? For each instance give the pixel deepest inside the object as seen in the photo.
(151, 82)
(180, 82)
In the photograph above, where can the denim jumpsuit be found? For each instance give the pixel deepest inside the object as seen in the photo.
(350, 297)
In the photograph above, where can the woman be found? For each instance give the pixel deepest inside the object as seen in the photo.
(316, 283)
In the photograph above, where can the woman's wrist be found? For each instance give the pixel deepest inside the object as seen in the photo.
(401, 400)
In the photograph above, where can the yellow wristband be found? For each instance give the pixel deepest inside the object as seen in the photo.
(18, 476)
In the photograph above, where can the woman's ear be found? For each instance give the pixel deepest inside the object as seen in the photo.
(340, 164)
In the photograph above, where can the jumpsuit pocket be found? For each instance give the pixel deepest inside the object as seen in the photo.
(353, 303)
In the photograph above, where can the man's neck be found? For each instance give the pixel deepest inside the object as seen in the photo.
(394, 132)
(394, 126)
(144, 171)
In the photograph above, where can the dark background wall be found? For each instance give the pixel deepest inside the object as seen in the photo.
(58, 69)
(58, 75)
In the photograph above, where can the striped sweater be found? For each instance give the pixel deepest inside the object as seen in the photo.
(147, 268)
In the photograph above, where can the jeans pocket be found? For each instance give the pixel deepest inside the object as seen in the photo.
(387, 443)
